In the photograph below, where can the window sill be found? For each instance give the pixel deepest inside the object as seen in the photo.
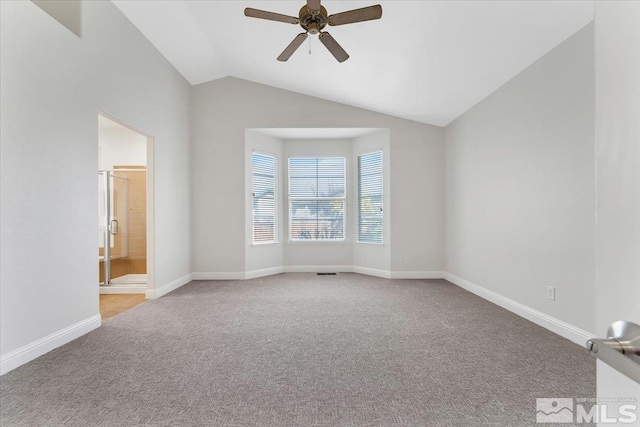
(370, 243)
(253, 245)
(321, 242)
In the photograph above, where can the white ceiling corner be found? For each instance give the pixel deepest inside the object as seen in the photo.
(428, 61)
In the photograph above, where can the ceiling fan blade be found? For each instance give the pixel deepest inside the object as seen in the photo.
(293, 46)
(313, 5)
(336, 50)
(271, 16)
(356, 15)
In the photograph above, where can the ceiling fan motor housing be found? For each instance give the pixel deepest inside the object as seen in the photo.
(313, 22)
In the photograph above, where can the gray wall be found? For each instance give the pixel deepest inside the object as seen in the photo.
(224, 108)
(53, 85)
(520, 194)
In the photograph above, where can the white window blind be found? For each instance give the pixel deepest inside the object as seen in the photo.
(370, 198)
(264, 198)
(317, 198)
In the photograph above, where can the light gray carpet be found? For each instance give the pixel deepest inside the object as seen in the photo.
(302, 350)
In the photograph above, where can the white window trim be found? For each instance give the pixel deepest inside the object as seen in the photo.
(275, 201)
(344, 199)
(384, 207)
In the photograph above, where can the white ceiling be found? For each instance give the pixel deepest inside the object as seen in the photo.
(316, 133)
(428, 61)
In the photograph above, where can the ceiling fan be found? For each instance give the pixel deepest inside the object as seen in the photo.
(313, 17)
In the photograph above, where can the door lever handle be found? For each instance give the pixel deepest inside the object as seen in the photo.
(621, 348)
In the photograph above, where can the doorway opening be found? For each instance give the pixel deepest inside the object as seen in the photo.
(125, 217)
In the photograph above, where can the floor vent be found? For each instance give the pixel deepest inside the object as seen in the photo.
(326, 274)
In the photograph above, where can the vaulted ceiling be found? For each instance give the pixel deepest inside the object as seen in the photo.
(428, 61)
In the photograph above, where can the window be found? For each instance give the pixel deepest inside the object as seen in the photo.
(264, 198)
(370, 198)
(316, 198)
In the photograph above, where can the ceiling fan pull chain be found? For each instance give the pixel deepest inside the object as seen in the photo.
(309, 45)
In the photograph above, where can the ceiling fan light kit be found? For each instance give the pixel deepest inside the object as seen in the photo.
(313, 18)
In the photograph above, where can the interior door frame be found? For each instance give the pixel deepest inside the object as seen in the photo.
(151, 253)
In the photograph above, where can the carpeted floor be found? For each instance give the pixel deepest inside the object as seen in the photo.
(302, 350)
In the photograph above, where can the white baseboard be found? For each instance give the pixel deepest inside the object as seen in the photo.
(254, 274)
(129, 289)
(318, 268)
(385, 274)
(171, 286)
(27, 353)
(417, 274)
(557, 326)
(218, 275)
(37, 348)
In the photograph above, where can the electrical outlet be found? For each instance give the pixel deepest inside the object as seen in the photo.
(551, 293)
(401, 259)
(235, 259)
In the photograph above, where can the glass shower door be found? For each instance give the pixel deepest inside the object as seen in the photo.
(119, 261)
(102, 227)
(113, 244)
